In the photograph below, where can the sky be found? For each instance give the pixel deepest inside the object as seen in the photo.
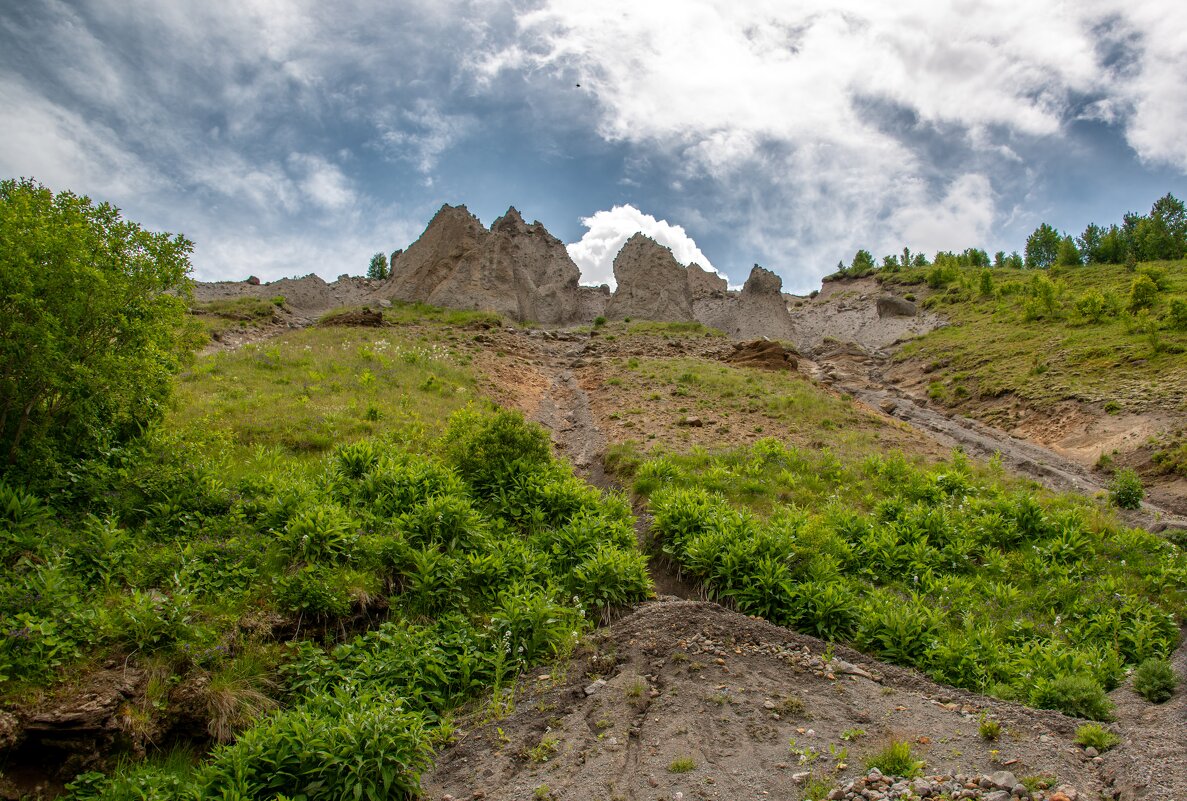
(287, 137)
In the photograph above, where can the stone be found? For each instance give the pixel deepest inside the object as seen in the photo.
(251, 279)
(997, 795)
(1091, 752)
(1069, 791)
(652, 285)
(1002, 780)
(593, 688)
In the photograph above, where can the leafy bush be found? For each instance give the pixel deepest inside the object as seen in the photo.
(1155, 680)
(1126, 490)
(92, 327)
(1078, 696)
(323, 532)
(338, 747)
(1143, 293)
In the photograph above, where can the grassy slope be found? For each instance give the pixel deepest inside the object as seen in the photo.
(310, 390)
(992, 348)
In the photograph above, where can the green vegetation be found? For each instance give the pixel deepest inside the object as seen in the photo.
(671, 329)
(1091, 735)
(470, 566)
(895, 759)
(989, 729)
(683, 764)
(981, 583)
(725, 394)
(1155, 680)
(91, 326)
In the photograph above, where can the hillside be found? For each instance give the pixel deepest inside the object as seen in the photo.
(681, 540)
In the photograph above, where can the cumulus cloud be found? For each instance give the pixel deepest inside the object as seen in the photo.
(608, 231)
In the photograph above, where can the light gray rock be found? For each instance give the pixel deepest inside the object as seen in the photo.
(515, 269)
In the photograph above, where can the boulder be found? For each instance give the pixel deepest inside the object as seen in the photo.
(759, 309)
(891, 306)
(762, 353)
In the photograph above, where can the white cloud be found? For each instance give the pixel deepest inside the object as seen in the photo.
(609, 230)
(323, 183)
(960, 219)
(1156, 90)
(789, 107)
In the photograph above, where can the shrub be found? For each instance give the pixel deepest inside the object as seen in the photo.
(312, 591)
(1092, 306)
(92, 324)
(341, 746)
(1176, 316)
(1126, 491)
(1143, 293)
(599, 321)
(322, 532)
(1155, 680)
(895, 759)
(486, 450)
(1090, 735)
(682, 765)
(989, 729)
(1078, 696)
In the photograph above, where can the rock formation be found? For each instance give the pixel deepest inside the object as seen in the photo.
(515, 269)
(760, 310)
(523, 272)
(652, 285)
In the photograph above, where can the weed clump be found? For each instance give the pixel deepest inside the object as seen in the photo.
(895, 759)
(1091, 735)
(989, 729)
(1155, 680)
(1078, 696)
(682, 764)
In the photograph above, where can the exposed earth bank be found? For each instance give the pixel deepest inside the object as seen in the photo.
(685, 699)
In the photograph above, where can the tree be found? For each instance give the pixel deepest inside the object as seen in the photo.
(93, 324)
(1042, 247)
(863, 263)
(1090, 243)
(378, 267)
(1068, 255)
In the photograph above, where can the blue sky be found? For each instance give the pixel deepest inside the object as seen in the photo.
(293, 137)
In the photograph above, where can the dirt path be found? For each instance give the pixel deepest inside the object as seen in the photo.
(565, 410)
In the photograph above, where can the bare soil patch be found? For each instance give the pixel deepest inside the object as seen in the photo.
(688, 697)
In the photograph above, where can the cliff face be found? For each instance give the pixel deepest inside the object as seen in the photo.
(515, 269)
